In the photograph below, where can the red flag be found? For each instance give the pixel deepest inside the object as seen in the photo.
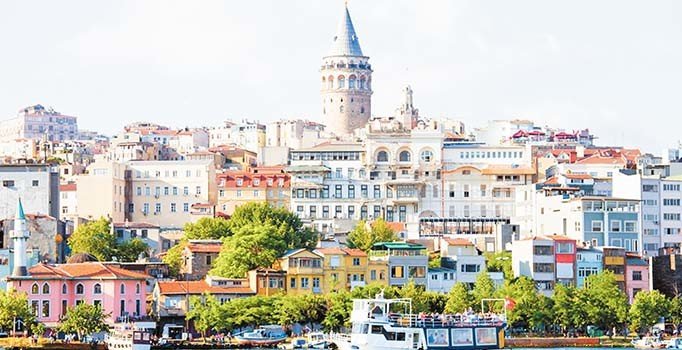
(509, 303)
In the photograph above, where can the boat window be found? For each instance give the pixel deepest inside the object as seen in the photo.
(400, 336)
(365, 329)
(377, 329)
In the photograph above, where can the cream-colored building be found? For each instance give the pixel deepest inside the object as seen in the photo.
(163, 193)
(101, 192)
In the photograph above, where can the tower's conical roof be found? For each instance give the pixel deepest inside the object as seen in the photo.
(346, 42)
(20, 211)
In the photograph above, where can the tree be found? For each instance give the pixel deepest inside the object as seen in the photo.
(364, 237)
(676, 310)
(418, 296)
(605, 304)
(173, 257)
(130, 251)
(484, 288)
(14, 305)
(564, 306)
(647, 308)
(522, 291)
(289, 227)
(459, 299)
(207, 228)
(205, 310)
(250, 247)
(500, 262)
(338, 311)
(94, 238)
(84, 319)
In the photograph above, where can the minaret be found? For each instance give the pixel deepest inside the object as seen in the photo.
(346, 81)
(19, 237)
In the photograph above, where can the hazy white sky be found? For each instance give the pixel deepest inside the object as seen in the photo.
(612, 66)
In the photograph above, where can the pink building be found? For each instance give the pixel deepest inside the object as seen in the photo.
(636, 275)
(51, 289)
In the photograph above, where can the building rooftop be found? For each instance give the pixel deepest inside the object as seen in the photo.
(397, 246)
(346, 42)
(199, 287)
(84, 271)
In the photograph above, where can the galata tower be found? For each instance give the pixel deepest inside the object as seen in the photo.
(346, 81)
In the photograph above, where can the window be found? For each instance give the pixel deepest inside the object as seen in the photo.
(305, 282)
(543, 250)
(122, 288)
(427, 156)
(316, 282)
(35, 289)
(7, 183)
(615, 226)
(198, 190)
(597, 226)
(543, 267)
(356, 261)
(208, 260)
(79, 288)
(64, 290)
(351, 191)
(292, 283)
(630, 226)
(417, 271)
(173, 208)
(137, 288)
(185, 207)
(397, 272)
(46, 288)
(404, 156)
(338, 191)
(564, 248)
(636, 275)
(377, 191)
(35, 183)
(382, 156)
(97, 289)
(470, 268)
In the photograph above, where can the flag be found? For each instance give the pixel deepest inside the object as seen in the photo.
(509, 303)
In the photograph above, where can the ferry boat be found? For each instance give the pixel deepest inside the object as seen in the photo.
(388, 324)
(129, 337)
(263, 336)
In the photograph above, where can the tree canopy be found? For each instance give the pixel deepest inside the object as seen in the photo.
(647, 308)
(84, 319)
(364, 237)
(14, 305)
(95, 238)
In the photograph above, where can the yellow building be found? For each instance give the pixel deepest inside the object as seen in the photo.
(345, 269)
(304, 271)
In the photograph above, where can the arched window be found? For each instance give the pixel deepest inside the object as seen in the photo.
(382, 156)
(123, 288)
(64, 290)
(46, 288)
(97, 289)
(351, 82)
(330, 82)
(427, 156)
(341, 82)
(35, 289)
(405, 156)
(341, 109)
(362, 109)
(137, 288)
(79, 288)
(362, 82)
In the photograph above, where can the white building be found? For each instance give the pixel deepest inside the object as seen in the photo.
(36, 184)
(661, 205)
(246, 134)
(68, 202)
(37, 122)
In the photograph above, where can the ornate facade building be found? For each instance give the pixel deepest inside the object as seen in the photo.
(346, 81)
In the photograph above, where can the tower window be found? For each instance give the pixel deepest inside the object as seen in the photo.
(341, 82)
(362, 110)
(341, 109)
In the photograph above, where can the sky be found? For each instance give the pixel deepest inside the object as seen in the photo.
(613, 66)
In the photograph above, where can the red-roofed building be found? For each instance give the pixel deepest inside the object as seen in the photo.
(51, 289)
(261, 184)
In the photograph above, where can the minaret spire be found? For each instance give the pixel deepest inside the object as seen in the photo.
(19, 237)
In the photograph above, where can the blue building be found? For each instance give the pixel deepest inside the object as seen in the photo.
(588, 262)
(7, 263)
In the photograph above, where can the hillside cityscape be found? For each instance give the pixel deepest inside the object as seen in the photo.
(293, 218)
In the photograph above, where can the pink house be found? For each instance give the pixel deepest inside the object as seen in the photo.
(636, 275)
(51, 289)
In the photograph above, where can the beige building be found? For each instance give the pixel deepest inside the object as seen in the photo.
(161, 193)
(262, 184)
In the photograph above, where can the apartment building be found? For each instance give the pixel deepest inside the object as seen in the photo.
(167, 194)
(68, 202)
(198, 257)
(462, 256)
(261, 184)
(661, 205)
(148, 233)
(589, 262)
(636, 275)
(39, 123)
(598, 220)
(36, 184)
(614, 261)
(305, 271)
(345, 269)
(547, 260)
(406, 261)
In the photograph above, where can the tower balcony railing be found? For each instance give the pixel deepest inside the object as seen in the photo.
(344, 66)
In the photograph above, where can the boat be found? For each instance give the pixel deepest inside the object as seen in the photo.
(388, 324)
(129, 337)
(262, 336)
(318, 340)
(674, 343)
(648, 343)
